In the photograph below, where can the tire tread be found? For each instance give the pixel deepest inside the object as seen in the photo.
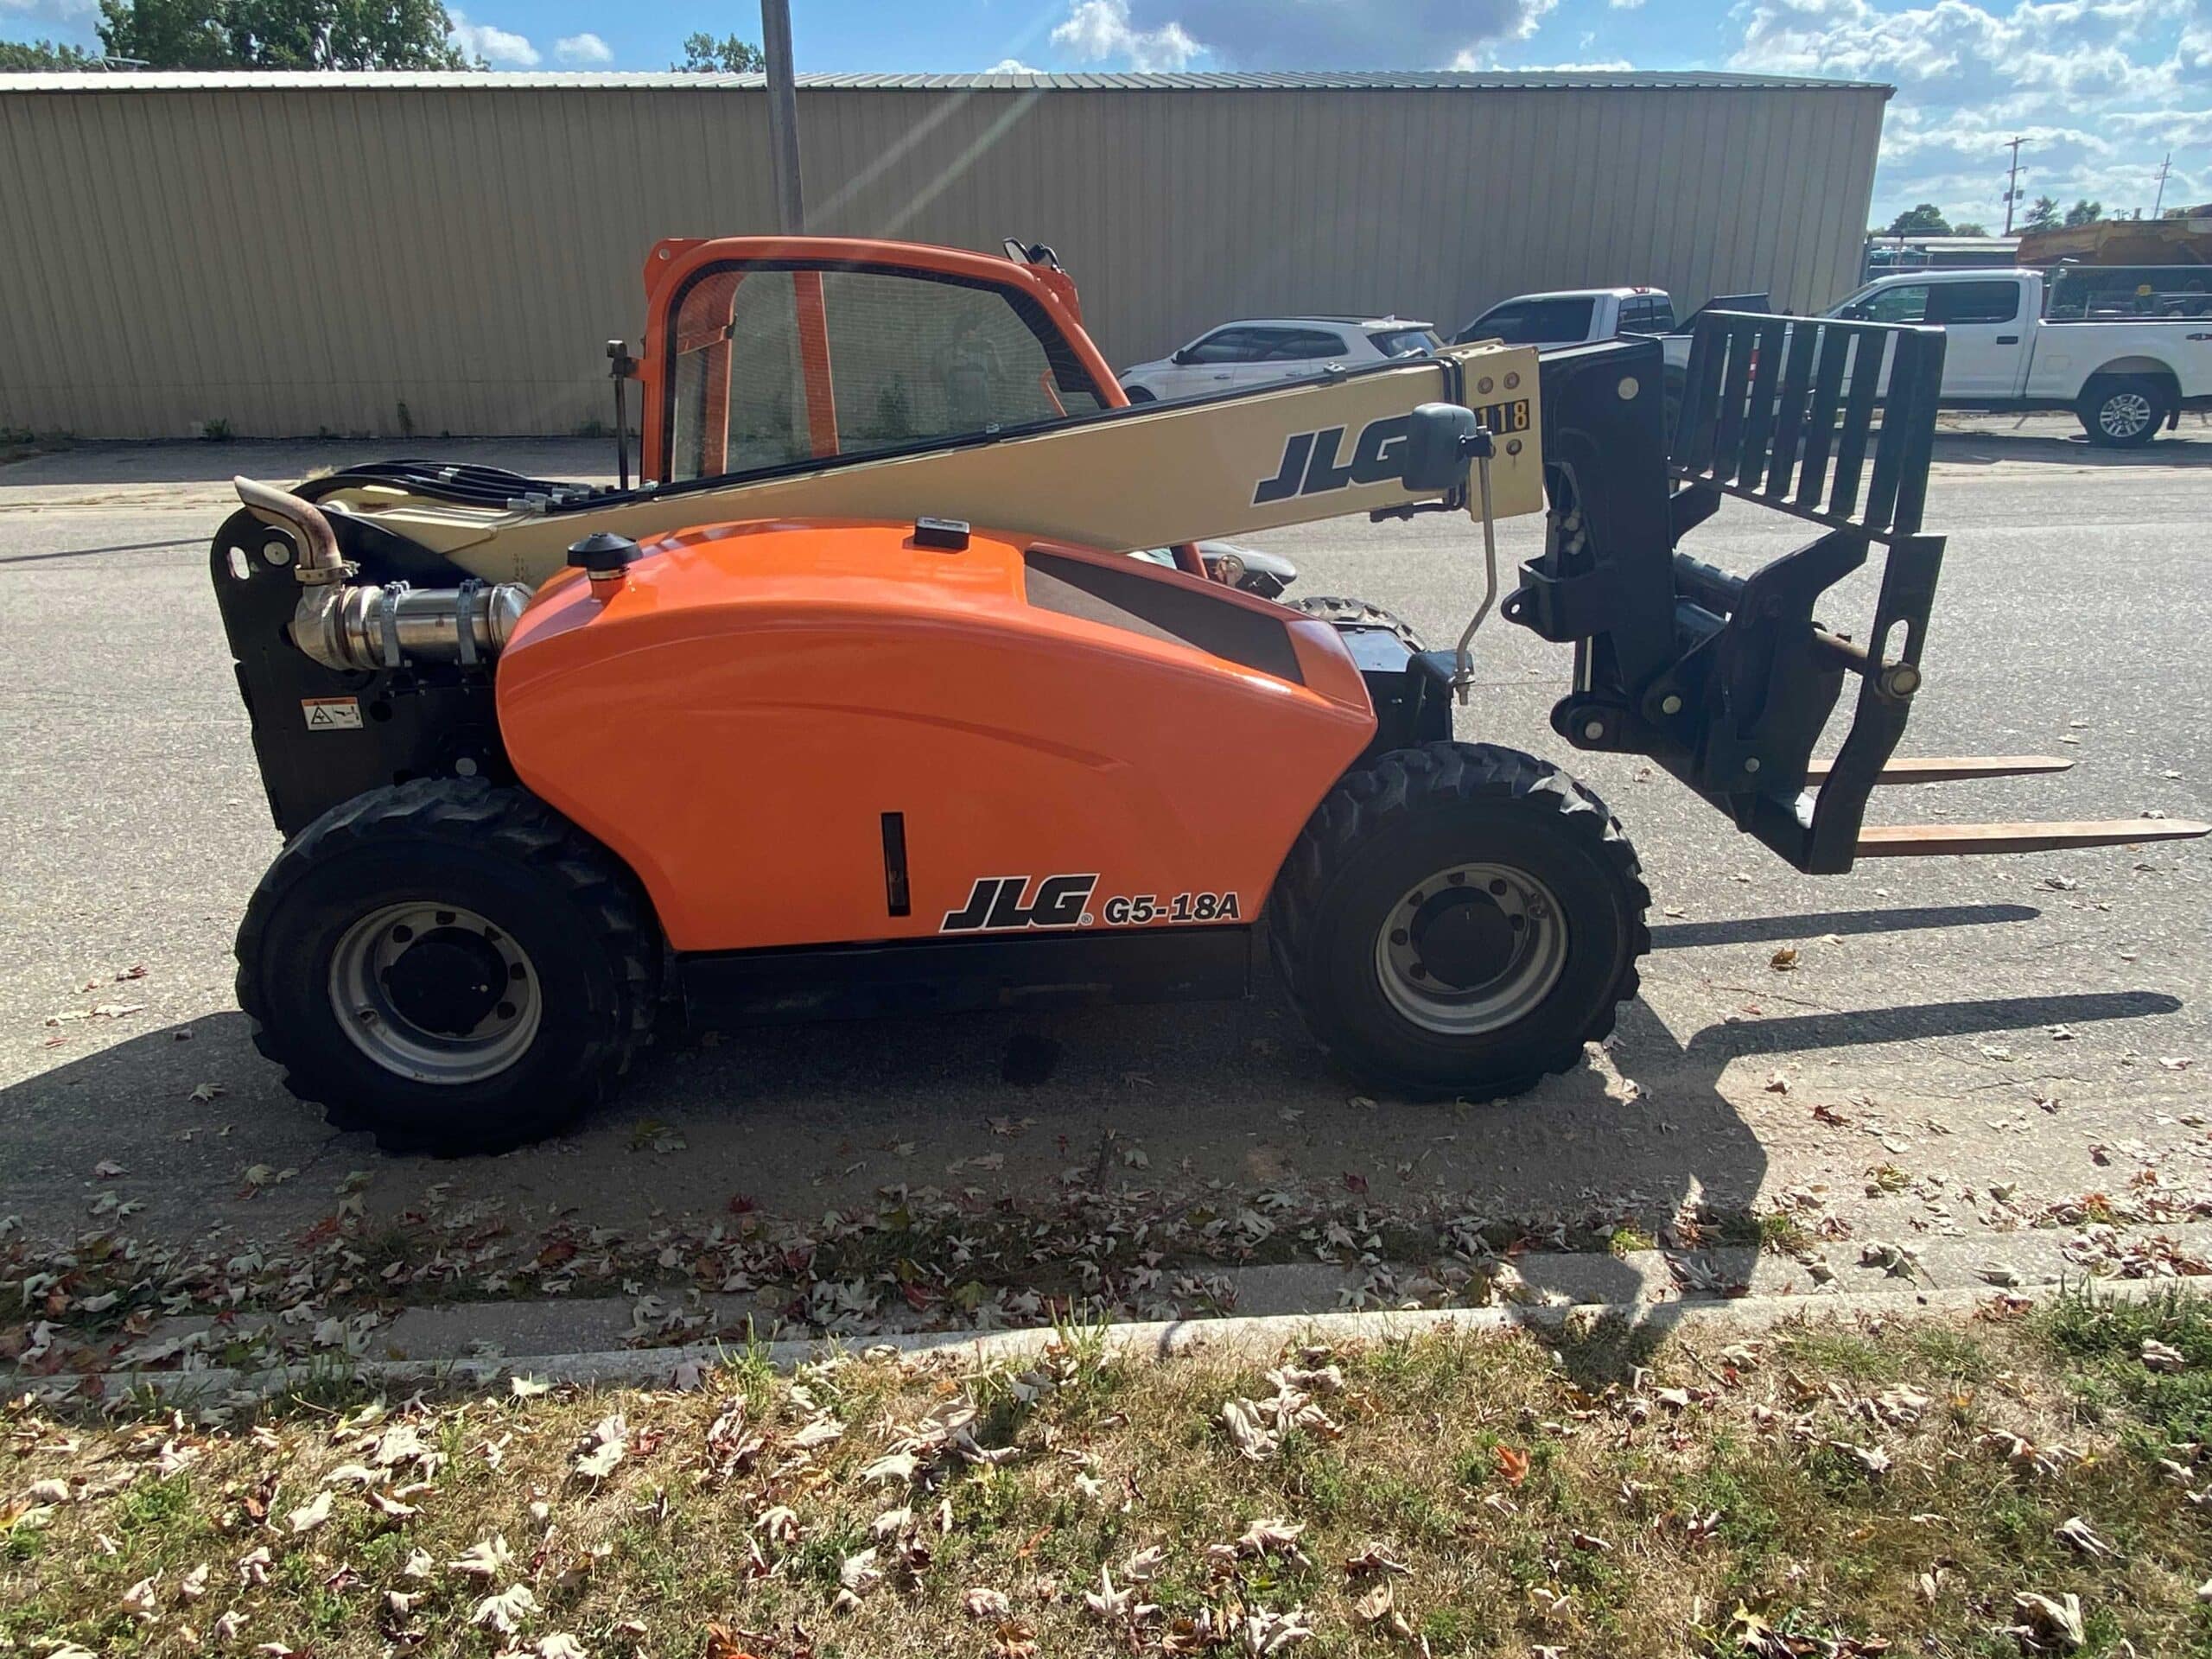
(1406, 782)
(526, 831)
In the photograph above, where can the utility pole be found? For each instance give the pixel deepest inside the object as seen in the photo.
(783, 116)
(2012, 187)
(2165, 167)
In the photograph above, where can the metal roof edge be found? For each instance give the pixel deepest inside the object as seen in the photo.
(1345, 81)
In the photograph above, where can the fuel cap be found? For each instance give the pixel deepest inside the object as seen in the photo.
(603, 553)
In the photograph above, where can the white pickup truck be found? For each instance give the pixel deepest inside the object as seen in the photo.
(2126, 355)
(1571, 316)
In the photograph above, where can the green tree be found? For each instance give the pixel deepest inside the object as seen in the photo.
(2043, 216)
(25, 57)
(1926, 219)
(1969, 227)
(281, 34)
(2084, 212)
(705, 55)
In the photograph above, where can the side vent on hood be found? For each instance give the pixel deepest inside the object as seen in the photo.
(1161, 608)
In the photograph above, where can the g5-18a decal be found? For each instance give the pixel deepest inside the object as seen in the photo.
(1006, 902)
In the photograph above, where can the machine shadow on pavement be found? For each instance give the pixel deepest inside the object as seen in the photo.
(1223, 1103)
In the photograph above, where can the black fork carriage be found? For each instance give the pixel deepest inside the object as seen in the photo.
(1728, 681)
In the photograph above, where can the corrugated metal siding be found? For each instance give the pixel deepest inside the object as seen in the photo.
(311, 254)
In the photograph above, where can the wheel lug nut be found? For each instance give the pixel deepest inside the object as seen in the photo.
(1399, 936)
(402, 933)
(1497, 888)
(1418, 971)
(1458, 878)
(506, 1010)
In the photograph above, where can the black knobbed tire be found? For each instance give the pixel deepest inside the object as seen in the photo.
(1331, 607)
(1460, 920)
(451, 966)
(2124, 412)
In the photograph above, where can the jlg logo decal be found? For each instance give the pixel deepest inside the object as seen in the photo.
(996, 903)
(1310, 465)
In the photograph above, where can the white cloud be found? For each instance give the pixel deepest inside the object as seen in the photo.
(1012, 66)
(1293, 34)
(501, 49)
(67, 13)
(583, 49)
(1099, 31)
(1623, 5)
(2099, 90)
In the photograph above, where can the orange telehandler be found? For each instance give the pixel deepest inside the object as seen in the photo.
(855, 702)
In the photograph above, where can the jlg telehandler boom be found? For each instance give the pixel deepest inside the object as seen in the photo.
(854, 704)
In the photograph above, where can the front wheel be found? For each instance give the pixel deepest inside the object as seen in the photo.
(2124, 412)
(1138, 395)
(451, 966)
(1459, 918)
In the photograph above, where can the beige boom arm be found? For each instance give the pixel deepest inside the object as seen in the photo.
(1147, 477)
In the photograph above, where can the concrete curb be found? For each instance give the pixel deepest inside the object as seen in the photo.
(1251, 1339)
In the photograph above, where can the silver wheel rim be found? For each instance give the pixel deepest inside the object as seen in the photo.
(2124, 414)
(1449, 996)
(389, 1026)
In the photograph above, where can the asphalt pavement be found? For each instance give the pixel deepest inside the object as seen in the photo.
(2033, 1025)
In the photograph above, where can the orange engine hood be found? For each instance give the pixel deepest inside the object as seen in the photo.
(739, 718)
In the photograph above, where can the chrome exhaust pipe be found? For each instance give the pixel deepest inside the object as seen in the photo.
(346, 624)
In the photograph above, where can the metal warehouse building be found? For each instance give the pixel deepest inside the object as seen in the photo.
(289, 253)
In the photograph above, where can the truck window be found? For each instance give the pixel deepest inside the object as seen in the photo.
(1402, 342)
(1906, 302)
(1975, 303)
(1233, 345)
(1647, 315)
(1530, 323)
(770, 366)
(1298, 344)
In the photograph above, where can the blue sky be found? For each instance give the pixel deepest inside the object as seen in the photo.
(2102, 91)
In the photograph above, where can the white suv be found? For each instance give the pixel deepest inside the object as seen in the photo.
(1262, 350)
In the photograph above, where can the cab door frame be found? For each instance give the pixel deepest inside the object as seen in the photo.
(1038, 292)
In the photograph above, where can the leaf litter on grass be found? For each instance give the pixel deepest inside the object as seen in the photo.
(1819, 1489)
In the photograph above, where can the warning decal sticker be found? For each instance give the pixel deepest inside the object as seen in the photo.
(331, 714)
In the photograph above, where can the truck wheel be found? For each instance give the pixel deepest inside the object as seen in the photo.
(1331, 607)
(450, 966)
(2123, 411)
(1138, 395)
(1459, 918)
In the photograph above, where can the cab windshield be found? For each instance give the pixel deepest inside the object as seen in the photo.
(770, 365)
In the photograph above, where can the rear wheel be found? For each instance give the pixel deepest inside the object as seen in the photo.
(2122, 412)
(1138, 395)
(450, 966)
(1459, 918)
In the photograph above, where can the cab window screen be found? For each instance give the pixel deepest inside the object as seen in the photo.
(771, 366)
(920, 360)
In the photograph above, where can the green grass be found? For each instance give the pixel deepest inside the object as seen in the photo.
(1609, 1492)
